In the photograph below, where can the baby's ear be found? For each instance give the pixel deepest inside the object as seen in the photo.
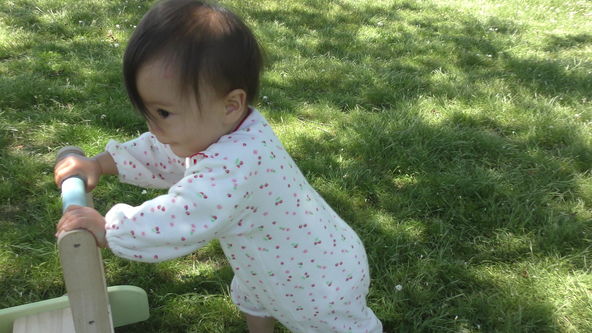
(235, 103)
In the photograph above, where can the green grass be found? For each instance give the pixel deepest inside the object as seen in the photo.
(455, 137)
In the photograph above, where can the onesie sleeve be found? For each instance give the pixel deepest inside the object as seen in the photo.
(146, 162)
(203, 205)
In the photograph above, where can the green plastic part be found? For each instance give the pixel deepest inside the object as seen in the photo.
(129, 304)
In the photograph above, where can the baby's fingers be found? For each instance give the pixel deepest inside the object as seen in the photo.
(65, 224)
(70, 220)
(73, 208)
(64, 169)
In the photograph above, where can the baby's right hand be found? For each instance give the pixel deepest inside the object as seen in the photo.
(73, 165)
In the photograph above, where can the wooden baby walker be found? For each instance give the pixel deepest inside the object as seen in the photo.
(89, 306)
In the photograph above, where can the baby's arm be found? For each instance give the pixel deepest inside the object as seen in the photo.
(106, 163)
(146, 162)
(204, 205)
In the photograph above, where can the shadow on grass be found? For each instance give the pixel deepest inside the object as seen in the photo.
(426, 197)
(557, 43)
(181, 301)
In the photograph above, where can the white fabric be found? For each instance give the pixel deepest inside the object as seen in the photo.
(293, 257)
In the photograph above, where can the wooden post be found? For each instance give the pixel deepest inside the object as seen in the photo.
(82, 263)
(84, 275)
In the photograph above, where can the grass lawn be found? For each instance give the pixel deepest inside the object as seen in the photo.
(454, 136)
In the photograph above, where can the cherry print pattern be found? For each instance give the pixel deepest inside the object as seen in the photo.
(293, 257)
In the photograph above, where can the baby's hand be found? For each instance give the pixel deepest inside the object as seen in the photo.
(78, 165)
(78, 217)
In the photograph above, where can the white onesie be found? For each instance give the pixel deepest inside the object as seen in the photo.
(293, 258)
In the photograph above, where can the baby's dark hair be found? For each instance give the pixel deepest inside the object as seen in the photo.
(205, 43)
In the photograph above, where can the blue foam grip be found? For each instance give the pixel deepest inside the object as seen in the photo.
(73, 192)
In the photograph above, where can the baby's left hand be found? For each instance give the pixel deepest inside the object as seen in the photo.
(78, 217)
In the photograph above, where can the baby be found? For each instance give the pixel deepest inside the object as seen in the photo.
(192, 69)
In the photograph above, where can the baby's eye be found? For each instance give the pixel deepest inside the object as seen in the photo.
(163, 113)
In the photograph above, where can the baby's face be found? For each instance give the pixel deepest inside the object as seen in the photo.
(178, 120)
